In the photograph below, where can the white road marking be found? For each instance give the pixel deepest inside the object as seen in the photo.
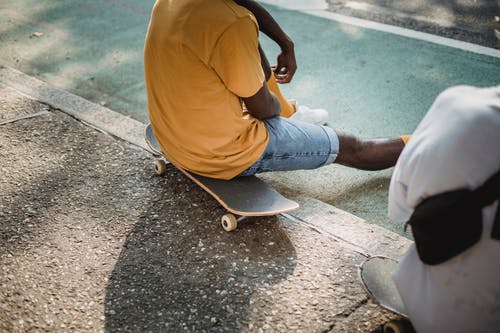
(318, 8)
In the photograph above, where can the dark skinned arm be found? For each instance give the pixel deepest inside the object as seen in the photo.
(287, 65)
(264, 104)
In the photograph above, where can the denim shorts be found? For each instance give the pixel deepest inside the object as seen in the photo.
(295, 145)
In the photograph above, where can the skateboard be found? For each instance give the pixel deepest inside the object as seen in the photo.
(242, 197)
(375, 275)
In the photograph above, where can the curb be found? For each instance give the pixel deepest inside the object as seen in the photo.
(357, 234)
(99, 117)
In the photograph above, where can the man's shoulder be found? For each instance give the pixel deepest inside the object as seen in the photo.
(237, 10)
(208, 21)
(220, 14)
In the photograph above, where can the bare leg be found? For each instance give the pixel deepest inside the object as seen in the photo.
(374, 154)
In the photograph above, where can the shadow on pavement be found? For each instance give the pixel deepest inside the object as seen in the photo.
(179, 269)
(69, 196)
(86, 226)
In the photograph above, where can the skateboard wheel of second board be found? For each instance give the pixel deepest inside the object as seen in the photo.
(160, 167)
(229, 222)
(398, 326)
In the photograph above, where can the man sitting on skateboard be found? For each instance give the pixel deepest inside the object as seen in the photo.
(214, 104)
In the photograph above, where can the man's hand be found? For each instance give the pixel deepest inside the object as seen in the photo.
(286, 67)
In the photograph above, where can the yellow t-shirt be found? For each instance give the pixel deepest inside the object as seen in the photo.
(200, 57)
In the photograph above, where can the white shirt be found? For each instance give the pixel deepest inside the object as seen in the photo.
(456, 145)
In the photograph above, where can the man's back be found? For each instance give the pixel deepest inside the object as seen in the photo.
(200, 57)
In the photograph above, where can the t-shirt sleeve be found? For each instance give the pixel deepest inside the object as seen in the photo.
(236, 58)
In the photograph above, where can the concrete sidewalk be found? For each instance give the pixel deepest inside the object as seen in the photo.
(92, 240)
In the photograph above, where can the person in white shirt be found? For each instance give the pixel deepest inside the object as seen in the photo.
(456, 146)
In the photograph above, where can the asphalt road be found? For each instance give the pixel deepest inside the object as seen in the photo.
(465, 20)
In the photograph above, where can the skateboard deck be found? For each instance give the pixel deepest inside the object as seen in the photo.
(375, 275)
(242, 196)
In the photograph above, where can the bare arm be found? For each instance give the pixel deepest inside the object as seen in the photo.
(264, 104)
(287, 65)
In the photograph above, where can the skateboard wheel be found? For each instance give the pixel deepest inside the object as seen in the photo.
(229, 222)
(398, 326)
(160, 167)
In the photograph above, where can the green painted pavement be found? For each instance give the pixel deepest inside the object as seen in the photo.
(90, 48)
(374, 83)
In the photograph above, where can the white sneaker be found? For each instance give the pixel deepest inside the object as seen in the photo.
(308, 115)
